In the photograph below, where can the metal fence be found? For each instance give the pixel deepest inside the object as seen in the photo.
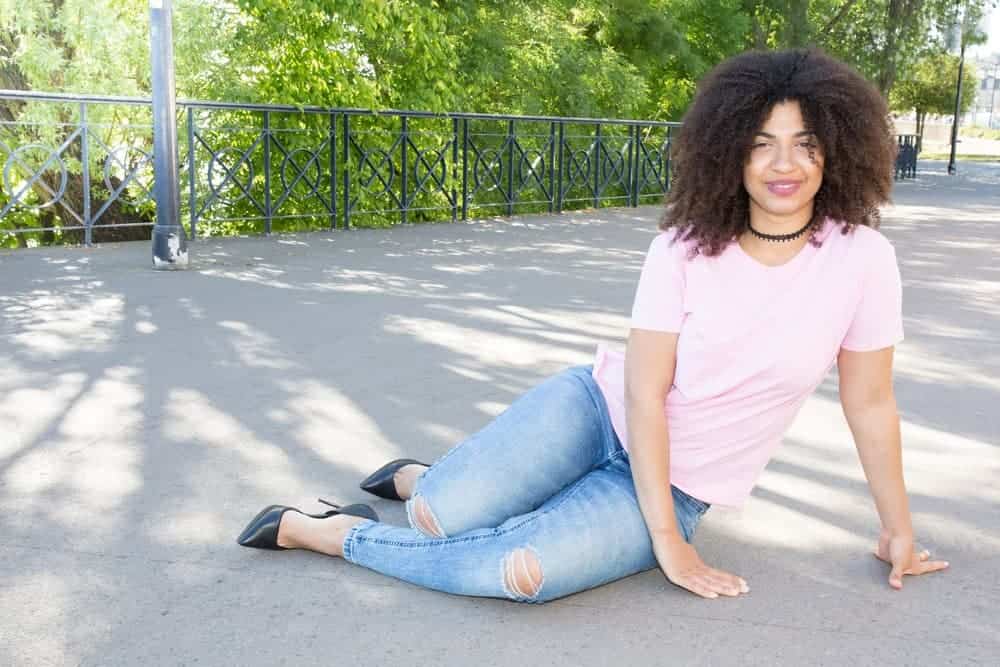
(906, 155)
(269, 168)
(262, 168)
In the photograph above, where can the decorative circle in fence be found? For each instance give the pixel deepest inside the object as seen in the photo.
(576, 169)
(430, 168)
(616, 162)
(650, 167)
(301, 175)
(531, 165)
(124, 164)
(384, 160)
(488, 163)
(231, 175)
(23, 158)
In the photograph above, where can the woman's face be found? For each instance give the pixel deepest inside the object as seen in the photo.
(785, 167)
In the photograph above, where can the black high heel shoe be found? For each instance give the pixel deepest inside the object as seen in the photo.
(262, 531)
(380, 482)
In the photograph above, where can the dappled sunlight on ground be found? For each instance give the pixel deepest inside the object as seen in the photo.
(50, 323)
(333, 426)
(23, 591)
(80, 446)
(920, 363)
(146, 416)
(473, 342)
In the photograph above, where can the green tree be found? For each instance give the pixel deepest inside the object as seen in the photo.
(930, 88)
(588, 58)
(883, 39)
(86, 46)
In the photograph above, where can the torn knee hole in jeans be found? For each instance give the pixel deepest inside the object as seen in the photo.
(522, 574)
(423, 519)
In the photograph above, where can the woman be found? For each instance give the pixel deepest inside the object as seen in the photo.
(768, 270)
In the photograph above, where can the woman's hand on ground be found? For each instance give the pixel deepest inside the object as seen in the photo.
(900, 553)
(683, 566)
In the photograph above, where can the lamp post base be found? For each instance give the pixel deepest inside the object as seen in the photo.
(169, 247)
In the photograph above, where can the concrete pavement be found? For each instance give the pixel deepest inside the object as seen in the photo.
(145, 416)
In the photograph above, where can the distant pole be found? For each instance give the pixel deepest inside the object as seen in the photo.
(169, 239)
(958, 95)
(993, 94)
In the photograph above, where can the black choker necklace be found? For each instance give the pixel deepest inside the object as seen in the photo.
(779, 238)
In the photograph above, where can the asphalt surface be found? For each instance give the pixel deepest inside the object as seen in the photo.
(146, 416)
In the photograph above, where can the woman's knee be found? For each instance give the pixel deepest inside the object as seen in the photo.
(422, 518)
(522, 575)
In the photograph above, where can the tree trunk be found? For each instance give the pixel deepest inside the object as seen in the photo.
(825, 31)
(898, 18)
(921, 117)
(757, 38)
(796, 30)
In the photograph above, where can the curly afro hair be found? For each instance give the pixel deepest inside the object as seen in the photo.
(707, 202)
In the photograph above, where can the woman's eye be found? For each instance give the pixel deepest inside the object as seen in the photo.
(760, 145)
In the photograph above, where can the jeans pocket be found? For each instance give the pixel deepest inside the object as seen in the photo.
(691, 504)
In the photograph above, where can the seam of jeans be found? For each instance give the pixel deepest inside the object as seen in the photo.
(690, 503)
(593, 391)
(457, 539)
(350, 537)
(441, 458)
(575, 371)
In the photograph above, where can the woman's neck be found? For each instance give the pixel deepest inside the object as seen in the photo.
(769, 223)
(773, 253)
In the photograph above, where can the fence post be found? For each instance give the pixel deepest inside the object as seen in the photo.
(88, 224)
(510, 167)
(596, 164)
(333, 171)
(638, 165)
(628, 167)
(192, 195)
(267, 174)
(347, 171)
(169, 239)
(667, 161)
(551, 165)
(559, 191)
(465, 169)
(404, 181)
(454, 169)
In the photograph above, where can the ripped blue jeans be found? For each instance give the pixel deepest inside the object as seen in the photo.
(537, 505)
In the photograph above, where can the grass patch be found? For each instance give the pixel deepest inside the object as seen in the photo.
(960, 157)
(979, 133)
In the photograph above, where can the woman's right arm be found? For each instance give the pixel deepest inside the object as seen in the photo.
(649, 374)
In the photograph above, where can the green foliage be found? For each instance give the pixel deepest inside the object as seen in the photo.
(930, 86)
(580, 58)
(979, 133)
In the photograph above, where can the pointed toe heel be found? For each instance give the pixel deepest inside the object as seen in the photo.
(380, 482)
(262, 531)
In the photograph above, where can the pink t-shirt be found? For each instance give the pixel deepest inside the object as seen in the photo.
(754, 342)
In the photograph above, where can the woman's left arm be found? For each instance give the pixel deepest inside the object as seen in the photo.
(870, 407)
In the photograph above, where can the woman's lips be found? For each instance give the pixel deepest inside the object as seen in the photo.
(783, 188)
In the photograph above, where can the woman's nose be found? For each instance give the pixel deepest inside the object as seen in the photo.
(782, 158)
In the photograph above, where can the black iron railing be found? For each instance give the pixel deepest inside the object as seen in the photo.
(247, 168)
(271, 167)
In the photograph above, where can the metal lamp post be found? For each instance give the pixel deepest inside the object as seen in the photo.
(993, 93)
(169, 239)
(958, 89)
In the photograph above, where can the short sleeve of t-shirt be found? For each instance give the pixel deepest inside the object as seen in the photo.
(878, 320)
(659, 298)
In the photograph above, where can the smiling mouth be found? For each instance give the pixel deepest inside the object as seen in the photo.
(784, 188)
